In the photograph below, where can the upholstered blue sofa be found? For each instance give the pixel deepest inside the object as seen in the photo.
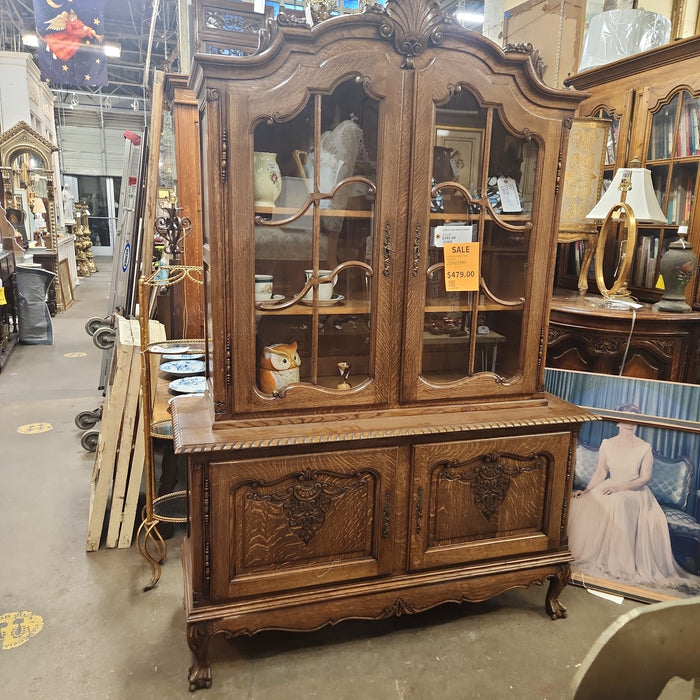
(671, 485)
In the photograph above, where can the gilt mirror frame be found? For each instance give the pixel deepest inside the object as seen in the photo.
(19, 139)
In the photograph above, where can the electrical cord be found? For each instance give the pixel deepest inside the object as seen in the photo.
(629, 340)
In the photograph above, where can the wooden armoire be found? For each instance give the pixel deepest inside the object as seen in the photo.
(375, 438)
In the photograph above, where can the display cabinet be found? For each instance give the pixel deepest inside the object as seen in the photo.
(654, 101)
(27, 191)
(380, 210)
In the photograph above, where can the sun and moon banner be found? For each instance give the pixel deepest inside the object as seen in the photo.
(70, 34)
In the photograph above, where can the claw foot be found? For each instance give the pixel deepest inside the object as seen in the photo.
(199, 677)
(554, 608)
(198, 636)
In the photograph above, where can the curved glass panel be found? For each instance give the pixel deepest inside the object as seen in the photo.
(483, 180)
(314, 186)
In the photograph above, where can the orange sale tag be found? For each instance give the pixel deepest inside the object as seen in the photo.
(461, 267)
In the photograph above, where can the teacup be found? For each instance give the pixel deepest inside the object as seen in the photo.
(263, 287)
(325, 289)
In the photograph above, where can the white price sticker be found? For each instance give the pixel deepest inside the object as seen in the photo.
(450, 233)
(510, 199)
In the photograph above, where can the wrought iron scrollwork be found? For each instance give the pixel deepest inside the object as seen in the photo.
(173, 228)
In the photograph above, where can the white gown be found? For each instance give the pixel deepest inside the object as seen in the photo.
(624, 535)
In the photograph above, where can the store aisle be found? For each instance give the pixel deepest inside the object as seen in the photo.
(102, 637)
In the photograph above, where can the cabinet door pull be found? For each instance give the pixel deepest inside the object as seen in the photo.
(416, 251)
(387, 515)
(419, 510)
(387, 250)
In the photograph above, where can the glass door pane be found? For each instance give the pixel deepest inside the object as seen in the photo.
(483, 181)
(315, 191)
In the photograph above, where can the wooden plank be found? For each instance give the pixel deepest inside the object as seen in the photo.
(110, 430)
(124, 453)
(126, 532)
(151, 187)
(126, 504)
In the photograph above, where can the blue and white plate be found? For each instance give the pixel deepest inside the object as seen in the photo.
(185, 356)
(183, 368)
(175, 349)
(188, 385)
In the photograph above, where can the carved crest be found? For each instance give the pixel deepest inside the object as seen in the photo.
(490, 476)
(306, 502)
(412, 25)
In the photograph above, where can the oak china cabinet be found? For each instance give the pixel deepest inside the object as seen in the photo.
(380, 203)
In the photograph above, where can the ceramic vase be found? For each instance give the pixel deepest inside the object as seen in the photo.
(267, 179)
(677, 267)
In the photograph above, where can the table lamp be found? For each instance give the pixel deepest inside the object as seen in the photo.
(630, 199)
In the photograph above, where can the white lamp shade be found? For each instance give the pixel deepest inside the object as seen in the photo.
(640, 197)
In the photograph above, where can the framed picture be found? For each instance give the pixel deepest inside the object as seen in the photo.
(466, 145)
(65, 289)
(634, 518)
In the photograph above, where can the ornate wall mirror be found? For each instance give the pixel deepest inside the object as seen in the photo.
(26, 164)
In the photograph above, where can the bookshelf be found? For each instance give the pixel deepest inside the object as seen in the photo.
(653, 100)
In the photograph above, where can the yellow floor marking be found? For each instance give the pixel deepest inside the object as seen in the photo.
(17, 627)
(34, 428)
(75, 354)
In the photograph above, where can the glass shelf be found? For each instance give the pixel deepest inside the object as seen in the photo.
(171, 508)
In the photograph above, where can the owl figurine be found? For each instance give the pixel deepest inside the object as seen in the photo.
(278, 367)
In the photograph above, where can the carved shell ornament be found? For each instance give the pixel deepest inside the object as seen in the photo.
(412, 25)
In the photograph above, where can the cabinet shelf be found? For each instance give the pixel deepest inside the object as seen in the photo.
(336, 213)
(445, 217)
(451, 308)
(347, 307)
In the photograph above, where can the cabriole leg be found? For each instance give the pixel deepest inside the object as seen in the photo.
(555, 609)
(198, 636)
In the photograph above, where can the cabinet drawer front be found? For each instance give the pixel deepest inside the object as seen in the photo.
(283, 523)
(482, 499)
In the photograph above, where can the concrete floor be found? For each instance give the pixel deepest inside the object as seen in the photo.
(103, 637)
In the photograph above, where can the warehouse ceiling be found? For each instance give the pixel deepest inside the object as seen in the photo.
(146, 30)
(147, 35)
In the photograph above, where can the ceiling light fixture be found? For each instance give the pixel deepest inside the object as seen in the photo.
(469, 17)
(112, 49)
(30, 39)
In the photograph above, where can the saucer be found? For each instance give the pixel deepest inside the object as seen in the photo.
(189, 385)
(183, 368)
(172, 349)
(184, 356)
(274, 297)
(335, 299)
